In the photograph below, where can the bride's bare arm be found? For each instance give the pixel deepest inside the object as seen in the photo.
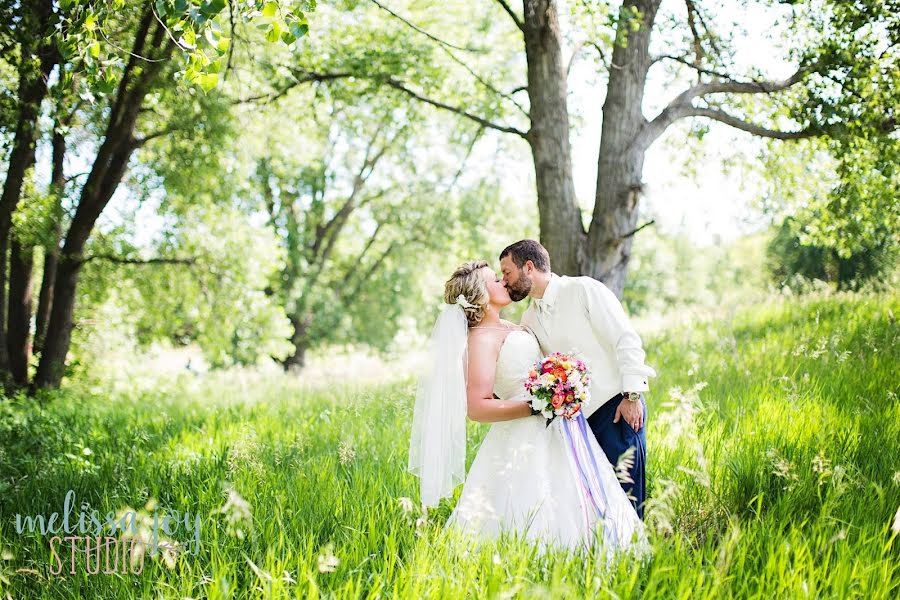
(482, 406)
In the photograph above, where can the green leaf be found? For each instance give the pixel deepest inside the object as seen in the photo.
(215, 66)
(189, 38)
(94, 49)
(208, 81)
(211, 9)
(270, 9)
(299, 29)
(274, 32)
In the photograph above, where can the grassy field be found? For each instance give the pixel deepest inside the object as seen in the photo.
(774, 472)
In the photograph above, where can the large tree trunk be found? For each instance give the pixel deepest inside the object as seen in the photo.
(21, 263)
(32, 90)
(621, 160)
(51, 249)
(561, 228)
(105, 176)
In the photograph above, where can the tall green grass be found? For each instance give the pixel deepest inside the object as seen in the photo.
(774, 471)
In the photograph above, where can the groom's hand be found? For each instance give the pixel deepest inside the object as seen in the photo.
(632, 412)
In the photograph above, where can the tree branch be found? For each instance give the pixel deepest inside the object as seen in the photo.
(390, 81)
(682, 107)
(732, 121)
(422, 31)
(446, 47)
(655, 128)
(730, 86)
(370, 272)
(693, 65)
(122, 260)
(512, 15)
(695, 16)
(305, 77)
(137, 142)
(312, 76)
(692, 24)
(331, 230)
(631, 233)
(231, 43)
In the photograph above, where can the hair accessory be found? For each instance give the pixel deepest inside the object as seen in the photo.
(461, 300)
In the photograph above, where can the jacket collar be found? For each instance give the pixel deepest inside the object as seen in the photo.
(550, 293)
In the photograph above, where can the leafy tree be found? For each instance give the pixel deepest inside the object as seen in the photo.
(686, 39)
(360, 205)
(791, 258)
(122, 58)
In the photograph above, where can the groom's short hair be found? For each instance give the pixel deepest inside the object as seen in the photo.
(525, 250)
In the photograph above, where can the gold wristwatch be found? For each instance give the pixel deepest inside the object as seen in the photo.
(632, 396)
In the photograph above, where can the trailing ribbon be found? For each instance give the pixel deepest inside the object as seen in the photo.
(587, 472)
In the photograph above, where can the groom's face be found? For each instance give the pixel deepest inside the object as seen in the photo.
(516, 279)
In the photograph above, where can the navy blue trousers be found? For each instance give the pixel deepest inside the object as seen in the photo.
(615, 439)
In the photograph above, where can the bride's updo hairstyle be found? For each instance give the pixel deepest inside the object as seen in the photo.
(468, 282)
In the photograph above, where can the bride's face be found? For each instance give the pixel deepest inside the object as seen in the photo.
(499, 296)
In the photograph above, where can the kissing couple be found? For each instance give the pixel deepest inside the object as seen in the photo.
(524, 479)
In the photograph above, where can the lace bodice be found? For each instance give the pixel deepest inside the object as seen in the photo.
(520, 351)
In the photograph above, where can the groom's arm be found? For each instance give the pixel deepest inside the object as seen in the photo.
(611, 324)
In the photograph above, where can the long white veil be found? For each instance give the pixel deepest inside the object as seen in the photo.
(437, 448)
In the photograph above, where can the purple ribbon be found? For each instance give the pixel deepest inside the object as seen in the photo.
(585, 461)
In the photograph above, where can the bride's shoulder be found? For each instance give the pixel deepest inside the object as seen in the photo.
(513, 326)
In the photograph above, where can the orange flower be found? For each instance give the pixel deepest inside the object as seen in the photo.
(557, 400)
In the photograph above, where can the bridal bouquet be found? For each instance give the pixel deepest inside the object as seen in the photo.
(558, 385)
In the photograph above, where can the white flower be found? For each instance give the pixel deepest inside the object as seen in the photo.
(170, 552)
(421, 523)
(327, 561)
(238, 516)
(537, 403)
(896, 526)
(406, 504)
(461, 300)
(547, 414)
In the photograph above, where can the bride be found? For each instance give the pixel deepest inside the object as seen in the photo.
(521, 480)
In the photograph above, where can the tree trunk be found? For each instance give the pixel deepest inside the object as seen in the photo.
(5, 374)
(32, 90)
(51, 249)
(106, 174)
(297, 360)
(21, 262)
(561, 228)
(621, 160)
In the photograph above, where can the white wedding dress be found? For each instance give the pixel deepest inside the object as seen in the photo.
(522, 480)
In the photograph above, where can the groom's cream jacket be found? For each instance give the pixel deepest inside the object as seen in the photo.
(581, 315)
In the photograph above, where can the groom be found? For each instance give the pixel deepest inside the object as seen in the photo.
(580, 314)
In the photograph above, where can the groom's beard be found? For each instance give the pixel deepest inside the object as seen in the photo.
(519, 290)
